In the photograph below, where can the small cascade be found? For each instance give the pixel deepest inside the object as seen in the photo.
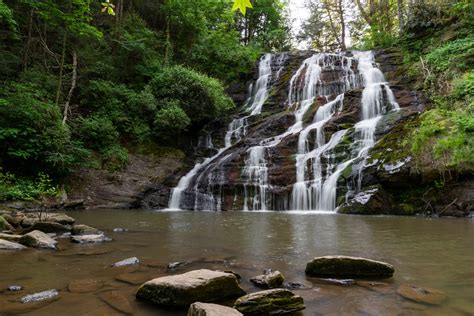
(258, 93)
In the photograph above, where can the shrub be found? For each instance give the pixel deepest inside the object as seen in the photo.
(32, 136)
(202, 98)
(171, 119)
(14, 188)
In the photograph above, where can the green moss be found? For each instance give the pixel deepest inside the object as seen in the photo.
(3, 224)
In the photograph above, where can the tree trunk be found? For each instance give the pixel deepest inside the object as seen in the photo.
(168, 42)
(73, 86)
(28, 41)
(331, 22)
(343, 25)
(401, 17)
(61, 69)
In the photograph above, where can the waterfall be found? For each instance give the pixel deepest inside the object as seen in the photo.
(258, 93)
(319, 85)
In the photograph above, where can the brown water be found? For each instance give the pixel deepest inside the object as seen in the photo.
(427, 252)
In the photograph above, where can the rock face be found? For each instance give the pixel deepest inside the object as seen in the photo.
(344, 267)
(270, 302)
(10, 245)
(38, 239)
(421, 295)
(269, 280)
(208, 309)
(184, 289)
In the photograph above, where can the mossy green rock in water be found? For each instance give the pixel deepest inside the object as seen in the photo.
(270, 302)
(184, 289)
(344, 267)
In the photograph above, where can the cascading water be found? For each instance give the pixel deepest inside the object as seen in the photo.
(258, 93)
(321, 82)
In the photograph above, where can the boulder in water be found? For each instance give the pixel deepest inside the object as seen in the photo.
(373, 200)
(421, 295)
(126, 262)
(269, 280)
(90, 239)
(209, 309)
(346, 267)
(84, 230)
(270, 302)
(10, 245)
(184, 289)
(40, 296)
(38, 239)
(49, 227)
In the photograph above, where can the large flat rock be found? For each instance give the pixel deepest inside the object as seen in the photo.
(195, 286)
(270, 302)
(10, 245)
(348, 267)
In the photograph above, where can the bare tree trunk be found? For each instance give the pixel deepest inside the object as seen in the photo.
(168, 42)
(331, 22)
(73, 86)
(364, 14)
(401, 17)
(61, 69)
(343, 25)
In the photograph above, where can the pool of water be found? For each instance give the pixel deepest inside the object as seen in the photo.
(426, 252)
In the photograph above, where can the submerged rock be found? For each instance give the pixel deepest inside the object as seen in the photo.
(90, 239)
(120, 230)
(84, 286)
(421, 295)
(209, 309)
(184, 289)
(175, 265)
(84, 230)
(40, 296)
(269, 280)
(270, 302)
(345, 266)
(10, 245)
(38, 239)
(14, 288)
(117, 301)
(126, 262)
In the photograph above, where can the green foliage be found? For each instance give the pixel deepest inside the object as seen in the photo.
(171, 119)
(6, 16)
(201, 97)
(14, 188)
(32, 136)
(455, 56)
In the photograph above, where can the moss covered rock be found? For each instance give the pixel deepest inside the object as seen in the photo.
(345, 266)
(270, 302)
(184, 289)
